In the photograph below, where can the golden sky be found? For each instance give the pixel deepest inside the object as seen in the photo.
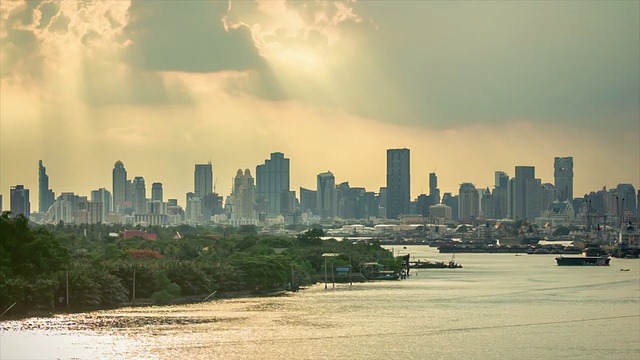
(470, 87)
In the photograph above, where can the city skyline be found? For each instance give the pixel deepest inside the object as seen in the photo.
(206, 173)
(328, 84)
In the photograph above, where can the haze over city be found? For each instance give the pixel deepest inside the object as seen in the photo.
(470, 88)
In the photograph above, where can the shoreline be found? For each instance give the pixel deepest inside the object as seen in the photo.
(145, 302)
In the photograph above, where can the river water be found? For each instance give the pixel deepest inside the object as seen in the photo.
(498, 306)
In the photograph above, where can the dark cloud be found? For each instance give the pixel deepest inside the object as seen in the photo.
(188, 36)
(20, 46)
(48, 11)
(495, 62)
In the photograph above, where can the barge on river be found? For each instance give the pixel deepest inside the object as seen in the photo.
(590, 257)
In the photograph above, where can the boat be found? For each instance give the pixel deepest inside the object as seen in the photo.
(386, 275)
(434, 265)
(590, 257)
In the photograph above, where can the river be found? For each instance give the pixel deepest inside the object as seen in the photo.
(498, 306)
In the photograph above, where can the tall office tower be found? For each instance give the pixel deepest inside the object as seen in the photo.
(119, 187)
(502, 180)
(46, 197)
(500, 196)
(139, 195)
(398, 182)
(451, 201)
(434, 192)
(104, 196)
(1, 203)
(527, 194)
(95, 212)
(203, 180)
(272, 180)
(194, 208)
(627, 193)
(563, 175)
(244, 195)
(308, 200)
(525, 175)
(20, 200)
(469, 201)
(548, 194)
(72, 199)
(487, 204)
(62, 211)
(326, 199)
(156, 191)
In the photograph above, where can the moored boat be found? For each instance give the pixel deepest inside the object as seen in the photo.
(590, 257)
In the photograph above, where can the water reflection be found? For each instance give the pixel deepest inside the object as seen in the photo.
(497, 306)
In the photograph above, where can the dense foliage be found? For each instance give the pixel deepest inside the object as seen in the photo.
(81, 266)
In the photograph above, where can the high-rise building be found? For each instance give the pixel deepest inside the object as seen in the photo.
(20, 201)
(272, 180)
(627, 192)
(502, 179)
(95, 212)
(451, 201)
(398, 183)
(326, 200)
(563, 175)
(103, 196)
(203, 180)
(119, 187)
(139, 195)
(244, 195)
(525, 176)
(156, 191)
(434, 192)
(468, 198)
(500, 196)
(46, 197)
(308, 200)
(194, 208)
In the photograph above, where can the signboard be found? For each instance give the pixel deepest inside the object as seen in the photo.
(342, 269)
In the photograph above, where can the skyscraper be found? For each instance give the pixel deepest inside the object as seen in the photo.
(563, 175)
(45, 195)
(469, 201)
(272, 180)
(203, 180)
(326, 195)
(500, 196)
(156, 191)
(308, 200)
(244, 195)
(398, 182)
(103, 196)
(627, 192)
(119, 187)
(527, 199)
(139, 195)
(20, 200)
(434, 192)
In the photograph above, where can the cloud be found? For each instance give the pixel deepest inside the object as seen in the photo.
(470, 89)
(169, 36)
(499, 61)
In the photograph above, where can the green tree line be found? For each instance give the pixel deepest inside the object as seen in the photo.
(77, 267)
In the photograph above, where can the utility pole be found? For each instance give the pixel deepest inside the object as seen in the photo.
(325, 273)
(67, 280)
(133, 298)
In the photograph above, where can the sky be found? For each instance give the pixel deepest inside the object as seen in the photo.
(469, 87)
